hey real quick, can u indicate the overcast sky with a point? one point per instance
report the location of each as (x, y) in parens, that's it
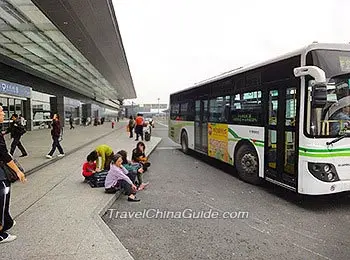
(172, 44)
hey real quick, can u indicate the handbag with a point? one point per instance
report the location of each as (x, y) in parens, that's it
(10, 174)
(60, 138)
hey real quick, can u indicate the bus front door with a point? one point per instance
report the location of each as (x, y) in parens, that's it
(201, 125)
(280, 137)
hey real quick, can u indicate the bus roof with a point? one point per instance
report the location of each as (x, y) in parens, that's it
(313, 46)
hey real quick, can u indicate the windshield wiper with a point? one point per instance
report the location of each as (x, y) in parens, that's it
(338, 138)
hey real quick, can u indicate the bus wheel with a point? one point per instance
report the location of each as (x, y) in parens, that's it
(184, 142)
(247, 164)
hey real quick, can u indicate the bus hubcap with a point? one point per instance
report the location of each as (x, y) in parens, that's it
(249, 163)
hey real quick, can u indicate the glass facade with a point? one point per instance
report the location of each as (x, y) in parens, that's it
(41, 110)
(72, 108)
(11, 105)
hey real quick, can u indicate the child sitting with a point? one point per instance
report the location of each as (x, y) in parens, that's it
(133, 169)
(138, 156)
(117, 175)
(89, 168)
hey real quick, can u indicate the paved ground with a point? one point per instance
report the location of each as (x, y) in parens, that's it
(58, 216)
(280, 224)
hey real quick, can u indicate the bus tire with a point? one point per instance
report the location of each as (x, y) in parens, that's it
(247, 164)
(184, 142)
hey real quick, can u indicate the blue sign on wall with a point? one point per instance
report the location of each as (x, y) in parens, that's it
(10, 88)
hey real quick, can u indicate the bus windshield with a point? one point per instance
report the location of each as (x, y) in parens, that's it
(334, 118)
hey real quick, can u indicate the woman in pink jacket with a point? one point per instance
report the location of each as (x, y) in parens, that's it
(117, 176)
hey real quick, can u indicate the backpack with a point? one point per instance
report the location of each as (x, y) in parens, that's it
(98, 179)
(21, 130)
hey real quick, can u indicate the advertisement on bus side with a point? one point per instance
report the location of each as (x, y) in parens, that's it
(218, 142)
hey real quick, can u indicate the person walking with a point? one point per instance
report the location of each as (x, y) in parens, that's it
(131, 126)
(6, 221)
(55, 133)
(139, 127)
(22, 120)
(16, 129)
(71, 122)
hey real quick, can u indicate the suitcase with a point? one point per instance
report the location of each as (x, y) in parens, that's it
(98, 180)
(147, 136)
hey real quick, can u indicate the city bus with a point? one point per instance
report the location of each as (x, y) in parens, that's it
(286, 120)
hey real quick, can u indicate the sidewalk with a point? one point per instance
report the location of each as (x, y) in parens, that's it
(58, 216)
(38, 142)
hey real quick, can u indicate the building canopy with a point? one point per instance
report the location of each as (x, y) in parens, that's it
(73, 43)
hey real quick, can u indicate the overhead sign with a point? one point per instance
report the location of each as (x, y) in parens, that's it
(15, 89)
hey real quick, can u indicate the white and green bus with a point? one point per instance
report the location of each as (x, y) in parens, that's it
(286, 120)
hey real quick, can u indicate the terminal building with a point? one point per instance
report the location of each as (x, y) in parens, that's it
(64, 57)
(148, 110)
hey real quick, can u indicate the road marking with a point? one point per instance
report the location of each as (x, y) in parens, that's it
(168, 148)
(212, 207)
(261, 231)
(301, 233)
(313, 252)
(162, 124)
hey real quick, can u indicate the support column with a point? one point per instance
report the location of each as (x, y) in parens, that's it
(57, 107)
(28, 113)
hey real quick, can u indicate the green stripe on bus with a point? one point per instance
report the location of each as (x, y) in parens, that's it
(233, 133)
(181, 124)
(308, 150)
(324, 155)
(237, 138)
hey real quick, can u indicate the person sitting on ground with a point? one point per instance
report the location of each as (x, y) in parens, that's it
(103, 154)
(138, 156)
(117, 176)
(89, 168)
(134, 169)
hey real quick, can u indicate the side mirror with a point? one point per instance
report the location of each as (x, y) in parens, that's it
(319, 95)
(318, 74)
(319, 86)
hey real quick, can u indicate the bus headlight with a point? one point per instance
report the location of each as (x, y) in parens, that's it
(323, 171)
(326, 168)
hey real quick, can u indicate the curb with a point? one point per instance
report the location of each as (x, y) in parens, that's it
(111, 237)
(43, 165)
(117, 195)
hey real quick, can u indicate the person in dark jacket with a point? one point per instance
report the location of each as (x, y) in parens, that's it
(131, 126)
(55, 133)
(16, 129)
(6, 221)
(71, 121)
(138, 156)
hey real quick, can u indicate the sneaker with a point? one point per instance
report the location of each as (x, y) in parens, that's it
(14, 224)
(48, 156)
(61, 155)
(23, 155)
(8, 239)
